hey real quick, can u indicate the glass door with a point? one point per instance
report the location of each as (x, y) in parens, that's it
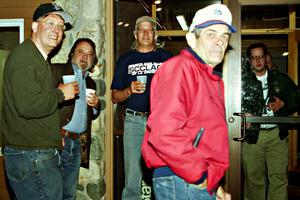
(171, 36)
(274, 30)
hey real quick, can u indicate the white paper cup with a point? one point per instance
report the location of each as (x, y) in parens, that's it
(89, 92)
(69, 78)
(142, 79)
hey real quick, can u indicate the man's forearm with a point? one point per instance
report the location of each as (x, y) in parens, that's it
(120, 95)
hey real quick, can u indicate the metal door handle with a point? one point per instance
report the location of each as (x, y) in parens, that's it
(243, 133)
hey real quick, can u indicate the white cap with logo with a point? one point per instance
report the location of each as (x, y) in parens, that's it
(212, 14)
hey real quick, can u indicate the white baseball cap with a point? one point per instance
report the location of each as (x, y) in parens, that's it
(212, 14)
(143, 19)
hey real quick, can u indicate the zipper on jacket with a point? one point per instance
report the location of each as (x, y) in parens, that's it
(219, 89)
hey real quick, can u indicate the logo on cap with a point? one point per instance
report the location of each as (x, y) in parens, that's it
(56, 7)
(218, 12)
(212, 14)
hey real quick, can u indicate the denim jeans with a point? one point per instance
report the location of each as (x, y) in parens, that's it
(34, 174)
(134, 129)
(175, 188)
(70, 164)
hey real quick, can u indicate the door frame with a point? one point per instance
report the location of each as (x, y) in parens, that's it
(232, 82)
(293, 40)
(233, 85)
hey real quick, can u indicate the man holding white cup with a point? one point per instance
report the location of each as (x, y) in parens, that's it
(77, 115)
(30, 117)
(131, 84)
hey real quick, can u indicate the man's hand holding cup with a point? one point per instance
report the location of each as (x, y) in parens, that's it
(139, 86)
(70, 87)
(91, 98)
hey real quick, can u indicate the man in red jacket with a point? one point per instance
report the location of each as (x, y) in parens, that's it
(186, 140)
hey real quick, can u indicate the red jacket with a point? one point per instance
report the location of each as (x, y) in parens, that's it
(185, 96)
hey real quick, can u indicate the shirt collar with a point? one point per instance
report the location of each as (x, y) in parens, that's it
(214, 71)
(78, 70)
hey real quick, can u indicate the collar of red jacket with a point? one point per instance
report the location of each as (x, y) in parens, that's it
(214, 74)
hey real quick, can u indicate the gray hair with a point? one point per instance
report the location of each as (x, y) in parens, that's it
(197, 32)
(137, 25)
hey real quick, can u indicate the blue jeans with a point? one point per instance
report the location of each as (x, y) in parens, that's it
(34, 174)
(175, 188)
(134, 129)
(70, 164)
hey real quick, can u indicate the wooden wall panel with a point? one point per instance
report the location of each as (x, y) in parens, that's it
(17, 12)
(11, 9)
(267, 2)
(4, 191)
(21, 3)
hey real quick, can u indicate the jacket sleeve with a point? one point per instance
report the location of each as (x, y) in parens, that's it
(289, 93)
(34, 93)
(57, 71)
(91, 84)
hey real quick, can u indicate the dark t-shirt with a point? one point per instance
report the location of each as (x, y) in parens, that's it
(134, 63)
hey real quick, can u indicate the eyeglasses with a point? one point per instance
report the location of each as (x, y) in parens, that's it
(82, 52)
(51, 24)
(257, 57)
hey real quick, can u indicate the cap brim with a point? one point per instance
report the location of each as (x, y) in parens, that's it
(66, 16)
(209, 23)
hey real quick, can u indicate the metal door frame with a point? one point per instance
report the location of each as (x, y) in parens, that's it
(232, 81)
